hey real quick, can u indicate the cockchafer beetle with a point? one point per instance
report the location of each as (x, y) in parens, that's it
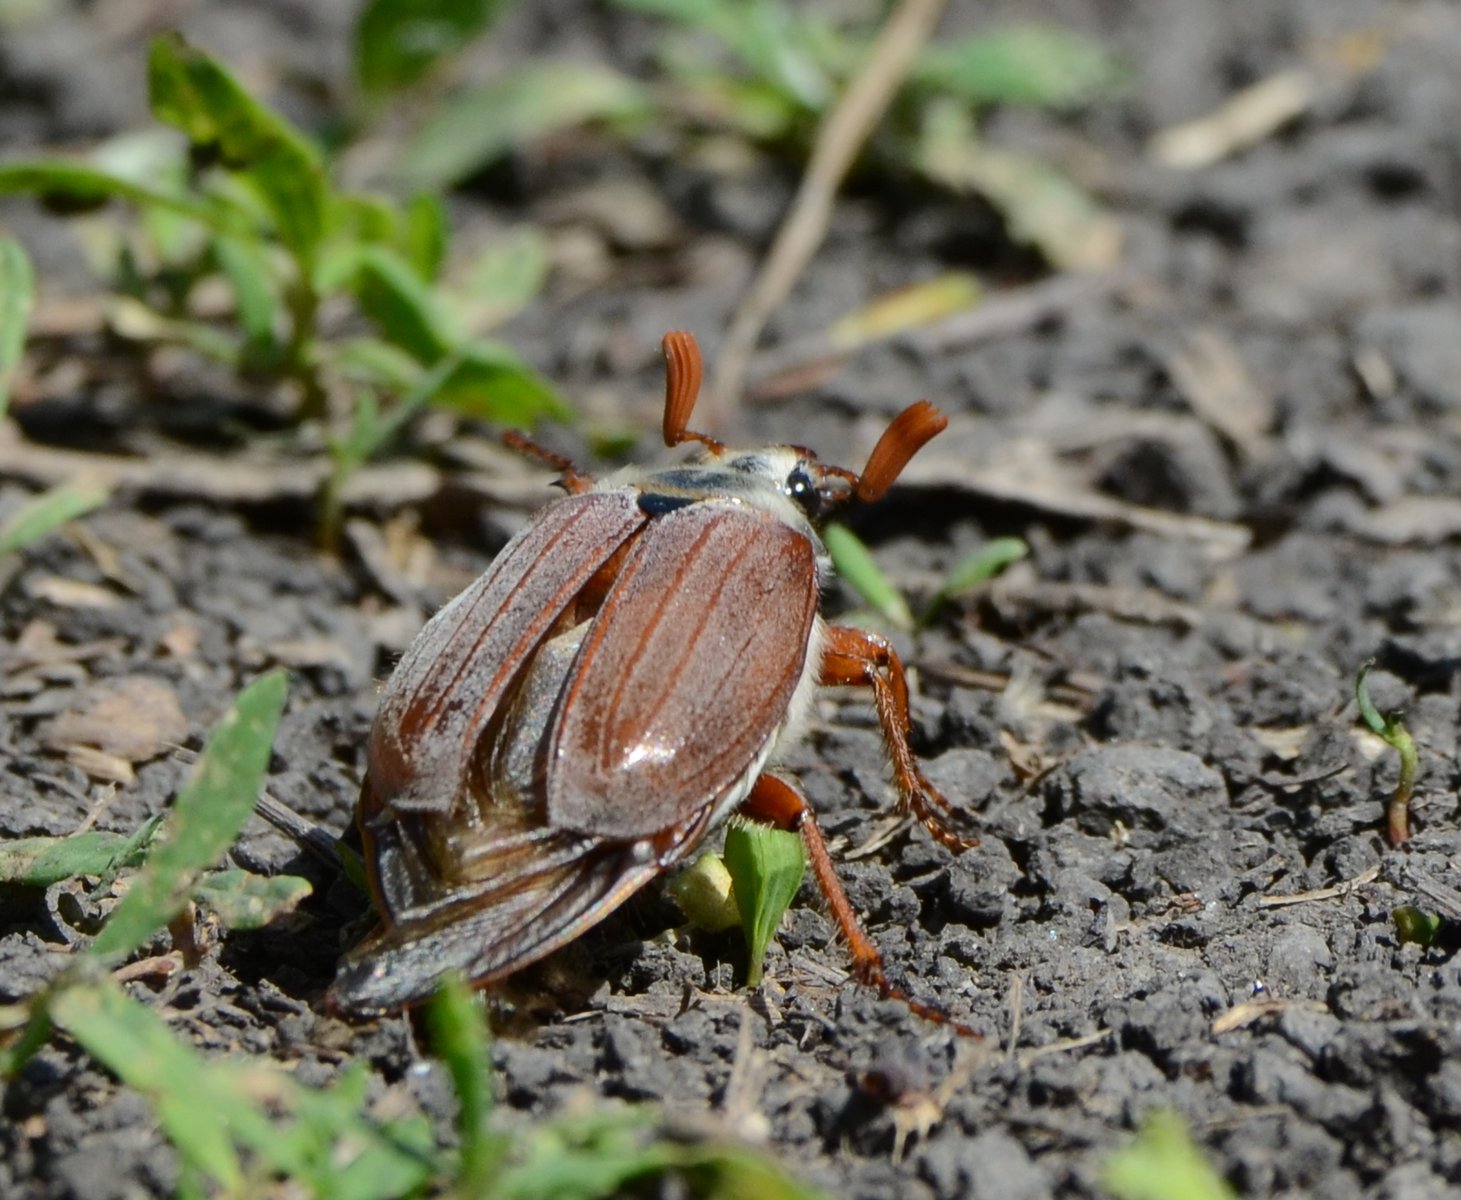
(619, 681)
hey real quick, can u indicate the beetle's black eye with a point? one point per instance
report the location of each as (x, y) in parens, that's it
(802, 488)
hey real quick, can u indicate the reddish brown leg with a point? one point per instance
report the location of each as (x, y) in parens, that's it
(861, 659)
(573, 480)
(776, 802)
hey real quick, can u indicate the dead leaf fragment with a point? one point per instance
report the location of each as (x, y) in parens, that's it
(1245, 119)
(71, 593)
(133, 718)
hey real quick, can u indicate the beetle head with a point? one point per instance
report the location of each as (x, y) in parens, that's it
(816, 488)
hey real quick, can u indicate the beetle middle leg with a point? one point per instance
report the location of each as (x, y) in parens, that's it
(854, 657)
(777, 803)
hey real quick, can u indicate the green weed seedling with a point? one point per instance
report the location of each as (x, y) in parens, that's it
(176, 853)
(766, 868)
(1161, 1163)
(751, 884)
(46, 513)
(765, 71)
(856, 565)
(1393, 732)
(244, 199)
(17, 295)
(242, 1126)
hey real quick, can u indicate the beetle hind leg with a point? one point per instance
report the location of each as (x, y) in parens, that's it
(854, 657)
(777, 803)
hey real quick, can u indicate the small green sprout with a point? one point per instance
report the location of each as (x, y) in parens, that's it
(46, 512)
(856, 565)
(1397, 737)
(1161, 1163)
(1414, 925)
(17, 294)
(706, 894)
(767, 866)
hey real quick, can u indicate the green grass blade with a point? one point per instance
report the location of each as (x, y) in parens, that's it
(767, 866)
(17, 295)
(860, 571)
(980, 567)
(459, 1038)
(46, 512)
(136, 1045)
(208, 813)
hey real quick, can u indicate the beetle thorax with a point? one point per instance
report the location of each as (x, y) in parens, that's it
(780, 480)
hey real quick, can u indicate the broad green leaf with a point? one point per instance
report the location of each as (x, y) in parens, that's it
(375, 361)
(423, 234)
(1040, 206)
(478, 127)
(244, 900)
(767, 866)
(356, 218)
(255, 292)
(458, 1024)
(193, 92)
(205, 819)
(48, 511)
(505, 279)
(17, 295)
(1161, 1163)
(42, 861)
(402, 304)
(493, 384)
(82, 186)
(1025, 64)
(136, 1045)
(859, 570)
(398, 41)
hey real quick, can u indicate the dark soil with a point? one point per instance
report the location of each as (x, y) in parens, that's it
(1150, 721)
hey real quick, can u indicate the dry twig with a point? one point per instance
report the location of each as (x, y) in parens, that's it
(840, 137)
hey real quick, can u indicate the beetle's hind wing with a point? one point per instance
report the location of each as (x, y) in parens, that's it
(456, 674)
(686, 675)
(542, 890)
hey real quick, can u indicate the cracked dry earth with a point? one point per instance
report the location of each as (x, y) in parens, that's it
(1236, 462)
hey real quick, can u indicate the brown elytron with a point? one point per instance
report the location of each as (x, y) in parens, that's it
(615, 685)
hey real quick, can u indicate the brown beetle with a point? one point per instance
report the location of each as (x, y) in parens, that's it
(619, 682)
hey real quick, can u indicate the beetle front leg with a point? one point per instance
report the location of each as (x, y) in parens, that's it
(854, 657)
(777, 803)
